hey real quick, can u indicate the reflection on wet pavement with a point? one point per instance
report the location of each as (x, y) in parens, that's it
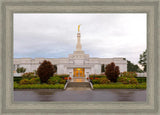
(80, 94)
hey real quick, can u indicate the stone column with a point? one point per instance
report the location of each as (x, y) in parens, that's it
(78, 46)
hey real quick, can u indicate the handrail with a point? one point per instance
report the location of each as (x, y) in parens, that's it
(66, 84)
(91, 85)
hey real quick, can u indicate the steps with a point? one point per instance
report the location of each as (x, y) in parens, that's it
(78, 84)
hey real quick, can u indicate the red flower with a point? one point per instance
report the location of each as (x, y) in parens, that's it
(66, 78)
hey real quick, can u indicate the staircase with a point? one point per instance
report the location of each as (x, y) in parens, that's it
(78, 84)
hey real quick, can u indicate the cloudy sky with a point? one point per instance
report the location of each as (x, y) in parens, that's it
(102, 35)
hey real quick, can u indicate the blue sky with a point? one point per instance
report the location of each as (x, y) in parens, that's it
(102, 35)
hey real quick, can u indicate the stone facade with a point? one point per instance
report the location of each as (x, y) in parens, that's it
(78, 59)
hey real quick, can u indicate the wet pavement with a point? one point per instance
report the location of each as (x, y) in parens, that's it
(80, 94)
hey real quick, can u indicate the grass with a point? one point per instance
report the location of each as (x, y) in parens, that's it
(38, 86)
(119, 86)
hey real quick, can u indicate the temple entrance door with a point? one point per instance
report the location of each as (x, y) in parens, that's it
(79, 72)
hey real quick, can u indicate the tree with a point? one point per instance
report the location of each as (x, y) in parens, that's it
(132, 67)
(112, 72)
(102, 68)
(45, 71)
(21, 70)
(143, 60)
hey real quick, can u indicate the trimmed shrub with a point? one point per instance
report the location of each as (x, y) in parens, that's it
(95, 81)
(62, 81)
(35, 81)
(24, 81)
(133, 81)
(54, 80)
(112, 72)
(119, 86)
(39, 86)
(21, 70)
(45, 71)
(96, 76)
(141, 79)
(28, 75)
(104, 81)
(126, 80)
(63, 76)
(128, 74)
(17, 79)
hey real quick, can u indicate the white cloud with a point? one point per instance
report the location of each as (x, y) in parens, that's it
(102, 35)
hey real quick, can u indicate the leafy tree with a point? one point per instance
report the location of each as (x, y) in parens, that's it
(132, 67)
(21, 70)
(45, 71)
(143, 60)
(102, 68)
(112, 72)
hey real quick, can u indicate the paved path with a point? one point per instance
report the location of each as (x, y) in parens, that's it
(80, 94)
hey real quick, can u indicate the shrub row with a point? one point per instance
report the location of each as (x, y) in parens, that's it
(56, 80)
(128, 74)
(30, 81)
(17, 79)
(119, 86)
(100, 81)
(62, 76)
(126, 80)
(96, 76)
(141, 79)
(29, 75)
(38, 86)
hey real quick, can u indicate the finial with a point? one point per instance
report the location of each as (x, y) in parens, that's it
(79, 27)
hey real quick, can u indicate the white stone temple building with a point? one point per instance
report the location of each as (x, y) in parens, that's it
(77, 64)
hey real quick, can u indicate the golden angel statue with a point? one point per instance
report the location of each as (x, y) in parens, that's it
(79, 27)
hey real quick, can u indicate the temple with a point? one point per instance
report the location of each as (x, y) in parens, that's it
(77, 64)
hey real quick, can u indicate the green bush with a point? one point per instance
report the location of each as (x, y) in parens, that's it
(119, 86)
(24, 81)
(126, 80)
(39, 86)
(62, 76)
(17, 79)
(141, 79)
(28, 75)
(104, 81)
(133, 81)
(21, 70)
(54, 80)
(95, 81)
(35, 81)
(128, 74)
(96, 76)
(62, 81)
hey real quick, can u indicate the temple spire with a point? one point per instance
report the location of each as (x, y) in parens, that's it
(78, 46)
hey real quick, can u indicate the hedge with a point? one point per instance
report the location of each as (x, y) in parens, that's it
(61, 76)
(119, 86)
(17, 79)
(97, 76)
(141, 79)
(38, 86)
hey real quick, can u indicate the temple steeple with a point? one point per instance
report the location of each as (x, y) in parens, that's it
(78, 46)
